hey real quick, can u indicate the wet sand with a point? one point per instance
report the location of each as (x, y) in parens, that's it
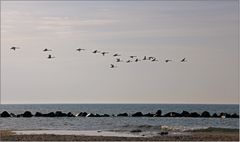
(191, 136)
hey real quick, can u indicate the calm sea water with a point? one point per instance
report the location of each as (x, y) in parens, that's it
(115, 123)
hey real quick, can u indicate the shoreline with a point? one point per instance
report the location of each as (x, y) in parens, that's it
(210, 134)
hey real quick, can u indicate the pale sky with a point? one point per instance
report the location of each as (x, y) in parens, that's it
(203, 32)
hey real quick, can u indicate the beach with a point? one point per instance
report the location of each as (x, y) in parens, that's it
(210, 134)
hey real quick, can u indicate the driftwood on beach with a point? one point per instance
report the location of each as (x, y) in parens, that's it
(204, 114)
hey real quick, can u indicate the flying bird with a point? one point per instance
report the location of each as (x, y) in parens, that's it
(115, 55)
(119, 60)
(128, 61)
(150, 58)
(103, 53)
(137, 60)
(145, 58)
(14, 48)
(184, 60)
(96, 51)
(154, 59)
(50, 56)
(113, 66)
(168, 60)
(80, 49)
(47, 50)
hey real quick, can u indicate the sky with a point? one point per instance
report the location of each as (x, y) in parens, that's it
(203, 32)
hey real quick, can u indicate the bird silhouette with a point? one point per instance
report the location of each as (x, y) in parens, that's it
(128, 61)
(103, 53)
(47, 50)
(168, 60)
(184, 60)
(80, 49)
(133, 56)
(154, 60)
(150, 58)
(119, 60)
(115, 55)
(50, 56)
(112, 66)
(14, 48)
(96, 51)
(137, 60)
(145, 58)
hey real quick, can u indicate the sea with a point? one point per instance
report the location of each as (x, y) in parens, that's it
(116, 123)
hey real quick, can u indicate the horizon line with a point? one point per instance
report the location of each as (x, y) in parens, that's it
(141, 103)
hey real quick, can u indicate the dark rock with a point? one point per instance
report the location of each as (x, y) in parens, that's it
(226, 115)
(60, 114)
(234, 115)
(205, 114)
(222, 114)
(51, 114)
(137, 114)
(82, 114)
(13, 115)
(97, 115)
(27, 114)
(5, 114)
(90, 115)
(163, 133)
(136, 131)
(148, 115)
(214, 115)
(172, 114)
(123, 114)
(158, 113)
(105, 115)
(185, 114)
(194, 114)
(38, 114)
(70, 114)
(19, 115)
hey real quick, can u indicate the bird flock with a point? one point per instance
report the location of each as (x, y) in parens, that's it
(116, 56)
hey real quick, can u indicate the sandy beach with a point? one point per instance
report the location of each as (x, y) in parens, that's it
(196, 135)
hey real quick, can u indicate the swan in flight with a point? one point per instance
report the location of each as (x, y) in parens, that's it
(80, 49)
(137, 60)
(128, 61)
(96, 51)
(184, 60)
(115, 55)
(47, 50)
(50, 56)
(113, 66)
(103, 53)
(119, 60)
(14, 48)
(145, 58)
(154, 59)
(168, 60)
(133, 56)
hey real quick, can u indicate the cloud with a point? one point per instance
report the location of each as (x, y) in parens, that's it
(56, 22)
